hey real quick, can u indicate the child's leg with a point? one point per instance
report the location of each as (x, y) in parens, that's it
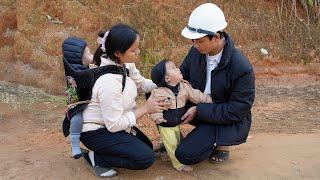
(75, 130)
(171, 137)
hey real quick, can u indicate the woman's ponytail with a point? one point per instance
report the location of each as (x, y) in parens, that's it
(99, 52)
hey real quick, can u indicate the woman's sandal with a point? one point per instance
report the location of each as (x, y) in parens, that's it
(219, 156)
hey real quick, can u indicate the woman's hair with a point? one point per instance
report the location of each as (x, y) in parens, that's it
(119, 39)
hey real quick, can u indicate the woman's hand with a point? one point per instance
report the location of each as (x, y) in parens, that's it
(189, 115)
(153, 105)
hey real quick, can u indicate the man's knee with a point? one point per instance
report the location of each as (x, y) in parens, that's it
(184, 156)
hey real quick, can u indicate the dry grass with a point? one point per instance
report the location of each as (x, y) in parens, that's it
(252, 24)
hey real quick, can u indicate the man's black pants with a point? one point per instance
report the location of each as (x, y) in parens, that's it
(198, 145)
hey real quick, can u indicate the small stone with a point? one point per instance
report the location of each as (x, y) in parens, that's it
(264, 51)
(27, 150)
(49, 17)
(159, 178)
(294, 162)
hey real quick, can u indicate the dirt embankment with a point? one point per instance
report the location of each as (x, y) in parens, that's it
(31, 33)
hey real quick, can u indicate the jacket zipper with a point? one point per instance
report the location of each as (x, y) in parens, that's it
(213, 73)
(176, 99)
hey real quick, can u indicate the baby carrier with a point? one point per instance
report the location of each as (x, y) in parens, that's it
(80, 82)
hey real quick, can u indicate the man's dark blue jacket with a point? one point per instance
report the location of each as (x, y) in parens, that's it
(232, 91)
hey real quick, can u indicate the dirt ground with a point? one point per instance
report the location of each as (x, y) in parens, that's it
(284, 141)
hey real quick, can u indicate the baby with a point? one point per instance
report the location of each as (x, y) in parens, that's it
(78, 55)
(171, 85)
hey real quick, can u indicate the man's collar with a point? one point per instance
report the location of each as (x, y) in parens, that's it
(216, 58)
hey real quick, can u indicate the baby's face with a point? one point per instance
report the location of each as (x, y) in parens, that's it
(87, 57)
(173, 74)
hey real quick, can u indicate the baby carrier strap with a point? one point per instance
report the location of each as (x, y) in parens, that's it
(82, 82)
(114, 69)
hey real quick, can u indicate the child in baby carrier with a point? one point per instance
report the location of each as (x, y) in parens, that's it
(171, 85)
(81, 75)
(78, 57)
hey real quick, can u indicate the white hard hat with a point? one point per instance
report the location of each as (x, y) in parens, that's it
(206, 19)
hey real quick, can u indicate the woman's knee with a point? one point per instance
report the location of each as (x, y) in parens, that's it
(145, 160)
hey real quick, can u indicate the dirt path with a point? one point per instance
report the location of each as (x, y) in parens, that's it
(264, 156)
(284, 141)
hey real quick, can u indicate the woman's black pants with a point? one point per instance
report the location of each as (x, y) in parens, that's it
(119, 149)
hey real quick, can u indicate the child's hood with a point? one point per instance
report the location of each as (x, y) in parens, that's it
(72, 50)
(158, 73)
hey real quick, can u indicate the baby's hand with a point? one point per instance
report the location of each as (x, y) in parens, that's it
(160, 120)
(167, 103)
(91, 66)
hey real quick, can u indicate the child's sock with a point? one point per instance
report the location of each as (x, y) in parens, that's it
(75, 145)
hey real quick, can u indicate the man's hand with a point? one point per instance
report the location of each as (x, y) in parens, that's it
(189, 115)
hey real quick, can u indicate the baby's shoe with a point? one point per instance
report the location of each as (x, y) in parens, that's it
(76, 152)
